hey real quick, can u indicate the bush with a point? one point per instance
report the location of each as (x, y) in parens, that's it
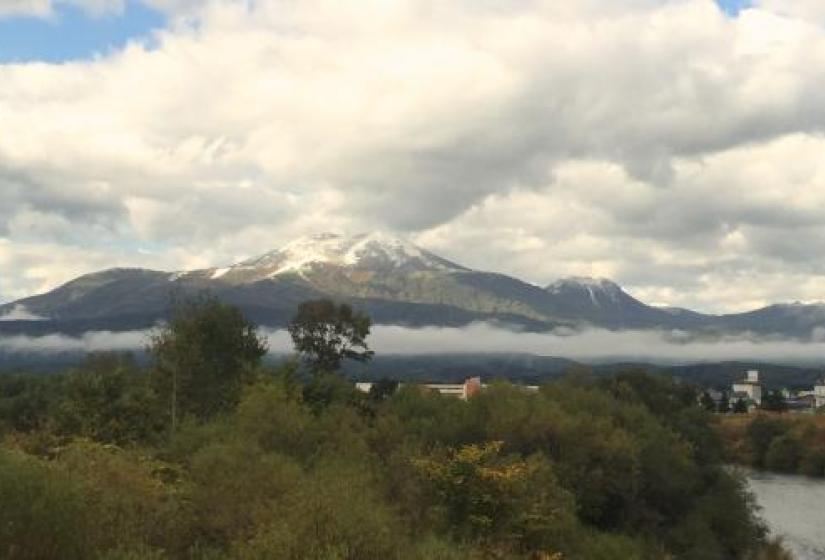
(784, 454)
(760, 435)
(335, 512)
(813, 463)
(42, 513)
(234, 487)
(126, 498)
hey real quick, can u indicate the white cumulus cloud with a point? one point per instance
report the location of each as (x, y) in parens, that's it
(662, 143)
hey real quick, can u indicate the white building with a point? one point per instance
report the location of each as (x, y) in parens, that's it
(463, 391)
(364, 386)
(819, 394)
(751, 387)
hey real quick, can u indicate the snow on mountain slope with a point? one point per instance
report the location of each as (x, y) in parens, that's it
(373, 251)
(599, 291)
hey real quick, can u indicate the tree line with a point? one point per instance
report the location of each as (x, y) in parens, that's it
(784, 443)
(210, 454)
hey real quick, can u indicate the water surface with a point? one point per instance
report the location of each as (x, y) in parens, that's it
(794, 508)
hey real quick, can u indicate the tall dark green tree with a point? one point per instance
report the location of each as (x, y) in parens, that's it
(109, 400)
(740, 406)
(383, 389)
(202, 356)
(325, 333)
(724, 404)
(774, 401)
(707, 402)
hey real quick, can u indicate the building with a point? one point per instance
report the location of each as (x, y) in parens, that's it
(819, 394)
(364, 386)
(800, 403)
(749, 388)
(470, 387)
(463, 391)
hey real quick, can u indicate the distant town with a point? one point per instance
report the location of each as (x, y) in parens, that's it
(745, 395)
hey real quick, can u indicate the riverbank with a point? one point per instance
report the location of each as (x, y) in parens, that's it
(775, 442)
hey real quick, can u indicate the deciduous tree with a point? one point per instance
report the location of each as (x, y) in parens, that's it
(202, 355)
(326, 333)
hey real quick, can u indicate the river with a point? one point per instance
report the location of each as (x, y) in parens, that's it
(794, 508)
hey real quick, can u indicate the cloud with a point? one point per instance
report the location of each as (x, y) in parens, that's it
(588, 346)
(20, 313)
(807, 9)
(662, 143)
(38, 8)
(97, 341)
(591, 346)
(732, 231)
(46, 8)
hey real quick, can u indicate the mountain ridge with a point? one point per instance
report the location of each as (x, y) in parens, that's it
(396, 282)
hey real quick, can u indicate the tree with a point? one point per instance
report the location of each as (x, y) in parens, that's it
(43, 513)
(784, 453)
(724, 404)
(325, 334)
(383, 389)
(486, 497)
(202, 356)
(760, 435)
(774, 401)
(707, 402)
(108, 400)
(740, 406)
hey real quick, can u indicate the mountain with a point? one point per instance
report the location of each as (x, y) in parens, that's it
(602, 302)
(374, 253)
(393, 280)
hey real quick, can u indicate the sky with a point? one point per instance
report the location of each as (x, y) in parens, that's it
(674, 146)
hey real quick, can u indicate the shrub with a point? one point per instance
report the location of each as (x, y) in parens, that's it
(334, 513)
(784, 454)
(42, 512)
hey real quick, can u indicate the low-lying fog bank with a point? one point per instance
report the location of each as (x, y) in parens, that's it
(594, 346)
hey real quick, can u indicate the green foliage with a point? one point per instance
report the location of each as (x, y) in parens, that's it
(326, 389)
(788, 443)
(724, 404)
(383, 389)
(263, 466)
(499, 501)
(42, 513)
(335, 512)
(774, 401)
(740, 406)
(813, 463)
(127, 497)
(707, 402)
(326, 333)
(760, 435)
(784, 454)
(26, 401)
(273, 417)
(202, 357)
(108, 405)
(227, 505)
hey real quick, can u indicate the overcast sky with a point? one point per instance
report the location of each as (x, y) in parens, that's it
(675, 146)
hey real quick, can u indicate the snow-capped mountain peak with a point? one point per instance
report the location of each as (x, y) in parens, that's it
(377, 251)
(598, 290)
(584, 282)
